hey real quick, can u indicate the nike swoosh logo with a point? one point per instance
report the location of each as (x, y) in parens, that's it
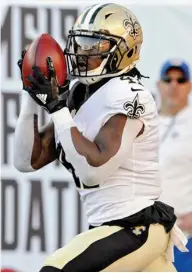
(135, 89)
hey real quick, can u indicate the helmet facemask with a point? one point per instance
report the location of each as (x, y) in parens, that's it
(94, 55)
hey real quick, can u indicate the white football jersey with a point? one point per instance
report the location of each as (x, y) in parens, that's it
(176, 160)
(135, 185)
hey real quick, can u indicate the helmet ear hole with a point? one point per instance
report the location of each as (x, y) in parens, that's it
(130, 53)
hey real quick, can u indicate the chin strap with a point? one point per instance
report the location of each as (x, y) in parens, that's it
(89, 80)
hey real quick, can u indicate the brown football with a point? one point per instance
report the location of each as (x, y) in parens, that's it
(42, 47)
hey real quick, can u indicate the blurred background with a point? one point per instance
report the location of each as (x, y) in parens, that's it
(41, 212)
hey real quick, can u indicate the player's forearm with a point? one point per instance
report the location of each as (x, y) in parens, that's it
(26, 140)
(37, 146)
(63, 123)
(93, 154)
(83, 146)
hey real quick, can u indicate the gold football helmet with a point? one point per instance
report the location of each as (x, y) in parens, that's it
(109, 32)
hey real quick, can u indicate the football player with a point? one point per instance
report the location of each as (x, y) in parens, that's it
(110, 146)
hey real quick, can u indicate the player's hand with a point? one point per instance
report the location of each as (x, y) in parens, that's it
(20, 64)
(185, 222)
(46, 91)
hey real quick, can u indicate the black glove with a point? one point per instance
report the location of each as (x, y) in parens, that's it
(20, 64)
(46, 91)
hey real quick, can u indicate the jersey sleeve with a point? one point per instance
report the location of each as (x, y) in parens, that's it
(130, 99)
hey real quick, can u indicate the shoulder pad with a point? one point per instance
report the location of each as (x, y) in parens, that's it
(129, 98)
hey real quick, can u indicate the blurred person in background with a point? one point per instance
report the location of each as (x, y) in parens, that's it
(176, 149)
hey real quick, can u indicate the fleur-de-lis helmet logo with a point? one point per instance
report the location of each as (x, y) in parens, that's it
(132, 27)
(134, 109)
